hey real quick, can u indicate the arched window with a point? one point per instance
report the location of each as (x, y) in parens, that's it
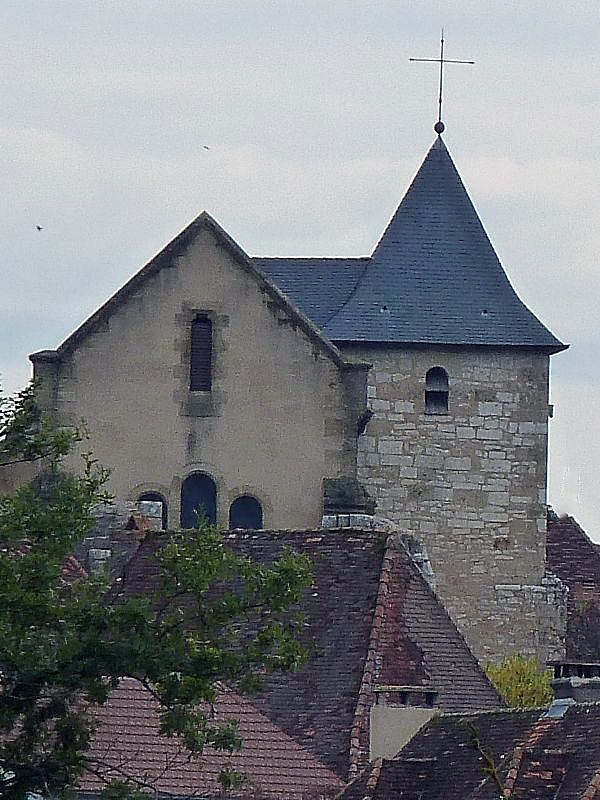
(198, 500)
(201, 354)
(246, 512)
(436, 391)
(155, 497)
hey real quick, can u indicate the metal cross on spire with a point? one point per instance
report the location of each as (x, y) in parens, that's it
(439, 125)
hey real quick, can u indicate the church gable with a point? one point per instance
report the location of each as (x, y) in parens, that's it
(168, 258)
(200, 366)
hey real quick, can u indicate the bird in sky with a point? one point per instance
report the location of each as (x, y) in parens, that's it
(206, 147)
(39, 227)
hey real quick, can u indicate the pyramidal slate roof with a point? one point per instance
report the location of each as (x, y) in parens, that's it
(433, 278)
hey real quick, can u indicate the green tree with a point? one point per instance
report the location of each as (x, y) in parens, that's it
(218, 617)
(522, 682)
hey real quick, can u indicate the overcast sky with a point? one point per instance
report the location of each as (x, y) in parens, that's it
(316, 122)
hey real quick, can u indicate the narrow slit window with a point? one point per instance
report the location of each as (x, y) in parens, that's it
(201, 355)
(436, 391)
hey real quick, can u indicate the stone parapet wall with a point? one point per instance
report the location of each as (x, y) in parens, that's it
(469, 484)
(115, 536)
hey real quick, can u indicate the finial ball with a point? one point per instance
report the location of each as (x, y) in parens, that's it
(439, 127)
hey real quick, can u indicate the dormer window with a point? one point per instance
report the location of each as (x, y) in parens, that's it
(436, 391)
(201, 354)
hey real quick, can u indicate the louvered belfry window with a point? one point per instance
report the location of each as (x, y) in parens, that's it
(436, 391)
(201, 355)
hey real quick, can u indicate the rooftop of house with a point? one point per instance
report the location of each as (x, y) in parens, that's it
(433, 278)
(371, 619)
(531, 754)
(575, 559)
(127, 743)
(572, 555)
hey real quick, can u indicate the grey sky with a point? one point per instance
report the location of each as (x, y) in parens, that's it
(316, 122)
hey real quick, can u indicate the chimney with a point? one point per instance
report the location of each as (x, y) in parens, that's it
(398, 713)
(576, 681)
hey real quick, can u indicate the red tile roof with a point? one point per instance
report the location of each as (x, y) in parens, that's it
(128, 745)
(73, 570)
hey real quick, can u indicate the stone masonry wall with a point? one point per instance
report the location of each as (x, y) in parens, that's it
(469, 484)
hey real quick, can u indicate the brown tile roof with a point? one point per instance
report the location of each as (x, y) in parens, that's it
(414, 643)
(571, 554)
(314, 705)
(416, 616)
(575, 559)
(127, 745)
(371, 619)
(441, 762)
(535, 757)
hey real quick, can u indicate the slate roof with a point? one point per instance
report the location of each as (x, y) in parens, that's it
(433, 277)
(127, 743)
(371, 618)
(535, 757)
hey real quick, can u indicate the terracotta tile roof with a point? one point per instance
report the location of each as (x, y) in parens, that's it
(371, 618)
(414, 643)
(314, 705)
(127, 744)
(535, 757)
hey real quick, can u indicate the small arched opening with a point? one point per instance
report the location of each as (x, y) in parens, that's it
(436, 391)
(198, 500)
(156, 497)
(246, 512)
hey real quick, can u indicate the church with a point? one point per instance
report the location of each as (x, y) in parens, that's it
(406, 391)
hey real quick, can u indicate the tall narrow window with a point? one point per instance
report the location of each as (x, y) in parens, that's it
(198, 500)
(201, 355)
(246, 512)
(436, 391)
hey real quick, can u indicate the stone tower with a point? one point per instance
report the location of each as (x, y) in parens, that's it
(455, 453)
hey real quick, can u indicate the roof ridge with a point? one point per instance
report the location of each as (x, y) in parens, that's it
(442, 607)
(365, 692)
(311, 258)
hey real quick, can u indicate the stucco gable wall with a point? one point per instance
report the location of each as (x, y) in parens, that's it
(274, 424)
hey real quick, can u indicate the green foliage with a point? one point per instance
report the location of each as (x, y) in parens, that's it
(522, 682)
(218, 617)
(26, 436)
